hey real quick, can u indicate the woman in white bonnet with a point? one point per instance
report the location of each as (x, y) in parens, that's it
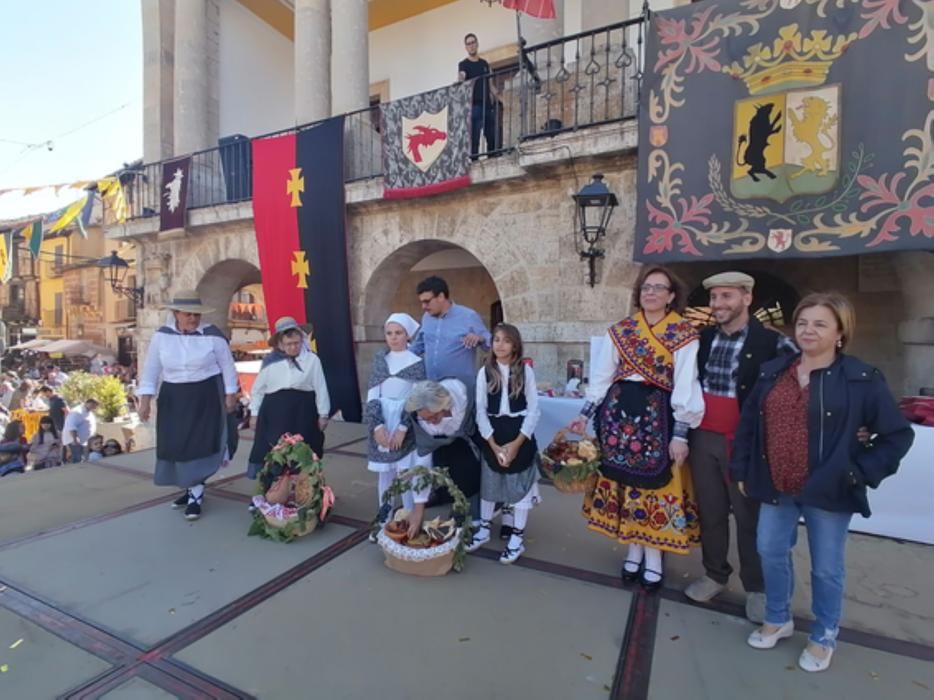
(392, 376)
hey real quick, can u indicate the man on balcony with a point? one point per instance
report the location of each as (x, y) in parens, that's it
(485, 98)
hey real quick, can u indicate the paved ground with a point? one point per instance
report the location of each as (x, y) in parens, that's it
(107, 593)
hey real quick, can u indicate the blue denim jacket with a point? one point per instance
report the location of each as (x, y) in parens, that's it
(842, 398)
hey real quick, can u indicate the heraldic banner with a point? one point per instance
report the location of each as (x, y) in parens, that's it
(426, 142)
(786, 128)
(298, 212)
(174, 191)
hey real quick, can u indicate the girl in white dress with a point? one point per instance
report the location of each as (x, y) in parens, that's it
(395, 371)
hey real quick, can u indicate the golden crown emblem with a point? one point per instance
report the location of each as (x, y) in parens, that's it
(792, 61)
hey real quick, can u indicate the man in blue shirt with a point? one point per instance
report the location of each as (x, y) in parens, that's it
(450, 334)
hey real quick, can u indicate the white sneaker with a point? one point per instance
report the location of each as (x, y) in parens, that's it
(703, 590)
(480, 537)
(760, 640)
(812, 663)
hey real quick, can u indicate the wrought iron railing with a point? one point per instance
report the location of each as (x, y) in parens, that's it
(570, 83)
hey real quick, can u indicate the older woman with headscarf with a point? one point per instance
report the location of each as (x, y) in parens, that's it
(290, 394)
(198, 388)
(445, 429)
(395, 371)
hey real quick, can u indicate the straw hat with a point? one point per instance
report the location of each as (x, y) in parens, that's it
(188, 300)
(283, 324)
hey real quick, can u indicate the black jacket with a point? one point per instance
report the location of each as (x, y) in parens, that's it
(843, 397)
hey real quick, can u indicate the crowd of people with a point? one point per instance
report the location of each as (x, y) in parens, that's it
(692, 426)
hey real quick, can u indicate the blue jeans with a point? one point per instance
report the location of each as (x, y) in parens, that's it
(776, 538)
(76, 452)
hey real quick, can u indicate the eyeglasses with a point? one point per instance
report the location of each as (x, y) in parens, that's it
(658, 288)
(426, 302)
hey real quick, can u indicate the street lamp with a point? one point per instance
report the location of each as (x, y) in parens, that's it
(595, 204)
(116, 269)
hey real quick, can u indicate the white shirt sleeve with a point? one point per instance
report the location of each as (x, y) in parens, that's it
(322, 398)
(602, 373)
(226, 363)
(687, 397)
(152, 368)
(483, 418)
(531, 399)
(258, 391)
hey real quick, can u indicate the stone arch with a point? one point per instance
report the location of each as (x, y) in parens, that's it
(220, 282)
(382, 290)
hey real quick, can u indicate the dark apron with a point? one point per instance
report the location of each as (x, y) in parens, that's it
(462, 465)
(286, 411)
(506, 429)
(190, 420)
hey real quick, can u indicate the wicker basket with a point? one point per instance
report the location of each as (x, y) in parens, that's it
(431, 561)
(565, 478)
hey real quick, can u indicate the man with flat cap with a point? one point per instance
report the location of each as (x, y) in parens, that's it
(728, 363)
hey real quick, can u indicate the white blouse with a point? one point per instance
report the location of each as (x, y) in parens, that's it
(393, 389)
(285, 375)
(531, 411)
(180, 359)
(687, 397)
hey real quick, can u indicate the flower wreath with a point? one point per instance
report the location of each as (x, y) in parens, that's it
(291, 496)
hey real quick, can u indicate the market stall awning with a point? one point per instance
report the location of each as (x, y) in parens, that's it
(70, 348)
(33, 344)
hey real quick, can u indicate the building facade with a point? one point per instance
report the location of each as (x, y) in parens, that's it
(508, 244)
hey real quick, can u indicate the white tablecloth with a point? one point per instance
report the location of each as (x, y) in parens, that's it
(556, 413)
(900, 506)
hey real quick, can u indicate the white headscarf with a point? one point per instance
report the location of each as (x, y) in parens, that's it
(407, 322)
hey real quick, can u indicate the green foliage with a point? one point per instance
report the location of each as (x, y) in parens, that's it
(107, 391)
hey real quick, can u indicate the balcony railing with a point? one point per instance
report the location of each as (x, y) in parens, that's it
(567, 84)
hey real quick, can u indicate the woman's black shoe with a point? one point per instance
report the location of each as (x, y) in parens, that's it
(651, 586)
(630, 576)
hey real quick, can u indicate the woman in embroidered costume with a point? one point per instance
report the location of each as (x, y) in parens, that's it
(507, 413)
(290, 395)
(644, 396)
(391, 447)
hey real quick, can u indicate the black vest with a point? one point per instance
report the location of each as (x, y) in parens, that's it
(761, 346)
(517, 404)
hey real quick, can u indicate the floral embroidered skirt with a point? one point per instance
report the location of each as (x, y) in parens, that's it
(639, 497)
(664, 518)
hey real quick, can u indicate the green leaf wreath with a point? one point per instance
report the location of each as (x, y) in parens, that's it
(418, 479)
(290, 458)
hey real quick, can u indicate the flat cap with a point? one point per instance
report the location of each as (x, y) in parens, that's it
(730, 279)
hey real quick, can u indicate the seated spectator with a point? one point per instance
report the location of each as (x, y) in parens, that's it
(45, 450)
(111, 448)
(13, 449)
(96, 448)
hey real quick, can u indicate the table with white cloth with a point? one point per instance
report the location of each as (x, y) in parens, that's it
(899, 506)
(556, 413)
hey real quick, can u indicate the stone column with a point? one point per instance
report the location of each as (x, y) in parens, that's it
(350, 56)
(916, 332)
(194, 127)
(312, 59)
(158, 18)
(350, 83)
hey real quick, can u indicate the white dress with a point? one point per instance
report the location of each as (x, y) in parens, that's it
(392, 393)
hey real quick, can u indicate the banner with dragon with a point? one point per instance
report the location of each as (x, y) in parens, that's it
(787, 128)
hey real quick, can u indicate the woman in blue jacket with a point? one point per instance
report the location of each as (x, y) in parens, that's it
(797, 452)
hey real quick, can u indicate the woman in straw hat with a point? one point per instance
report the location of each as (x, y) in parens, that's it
(199, 387)
(290, 394)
